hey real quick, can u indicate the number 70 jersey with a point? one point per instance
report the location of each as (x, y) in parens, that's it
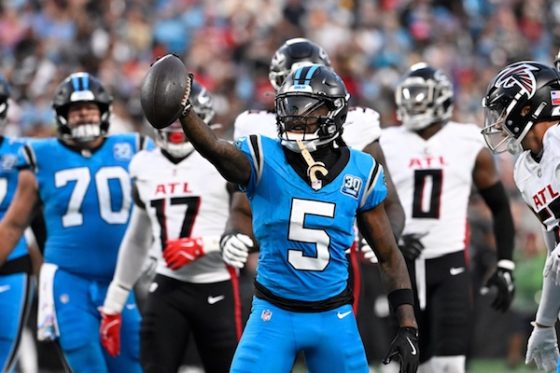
(433, 179)
(86, 201)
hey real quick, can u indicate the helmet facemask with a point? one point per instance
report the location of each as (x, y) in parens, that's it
(79, 88)
(309, 119)
(174, 141)
(424, 97)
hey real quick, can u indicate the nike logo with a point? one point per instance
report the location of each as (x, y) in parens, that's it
(412, 346)
(212, 300)
(454, 271)
(343, 314)
(130, 306)
(153, 287)
(4, 288)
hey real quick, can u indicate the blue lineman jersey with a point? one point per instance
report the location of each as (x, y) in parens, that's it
(303, 234)
(86, 200)
(9, 165)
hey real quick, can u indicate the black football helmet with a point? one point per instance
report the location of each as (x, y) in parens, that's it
(522, 94)
(4, 98)
(172, 138)
(81, 87)
(304, 91)
(292, 54)
(424, 96)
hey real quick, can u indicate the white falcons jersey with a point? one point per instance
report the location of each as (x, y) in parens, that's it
(188, 199)
(433, 179)
(360, 129)
(539, 183)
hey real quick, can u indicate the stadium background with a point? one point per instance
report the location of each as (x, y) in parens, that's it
(228, 45)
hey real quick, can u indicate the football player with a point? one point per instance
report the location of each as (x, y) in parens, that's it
(361, 131)
(81, 180)
(522, 112)
(181, 207)
(307, 188)
(15, 272)
(435, 162)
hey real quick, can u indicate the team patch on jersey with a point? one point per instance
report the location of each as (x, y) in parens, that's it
(8, 162)
(122, 151)
(351, 185)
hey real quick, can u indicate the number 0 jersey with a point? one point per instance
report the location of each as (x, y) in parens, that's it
(86, 200)
(187, 199)
(304, 233)
(360, 129)
(539, 182)
(9, 164)
(433, 179)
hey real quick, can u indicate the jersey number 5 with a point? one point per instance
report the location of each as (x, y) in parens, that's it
(298, 232)
(81, 178)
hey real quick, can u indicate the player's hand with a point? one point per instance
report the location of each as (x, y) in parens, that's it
(110, 332)
(552, 265)
(502, 280)
(411, 246)
(367, 251)
(183, 251)
(404, 348)
(543, 348)
(235, 249)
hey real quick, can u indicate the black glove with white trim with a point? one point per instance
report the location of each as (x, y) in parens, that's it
(404, 347)
(502, 280)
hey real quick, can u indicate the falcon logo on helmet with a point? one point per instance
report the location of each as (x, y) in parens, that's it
(522, 76)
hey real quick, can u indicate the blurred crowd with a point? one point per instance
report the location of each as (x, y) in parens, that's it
(228, 44)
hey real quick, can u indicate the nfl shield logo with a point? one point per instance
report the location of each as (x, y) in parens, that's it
(266, 315)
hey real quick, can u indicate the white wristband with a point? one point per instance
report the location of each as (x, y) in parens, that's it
(115, 299)
(211, 243)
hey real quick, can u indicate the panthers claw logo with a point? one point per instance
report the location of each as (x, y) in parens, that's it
(520, 75)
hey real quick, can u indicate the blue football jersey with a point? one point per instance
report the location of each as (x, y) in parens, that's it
(303, 233)
(9, 164)
(86, 200)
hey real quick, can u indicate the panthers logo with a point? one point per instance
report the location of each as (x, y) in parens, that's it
(520, 75)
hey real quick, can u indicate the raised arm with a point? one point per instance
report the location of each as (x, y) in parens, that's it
(19, 214)
(230, 162)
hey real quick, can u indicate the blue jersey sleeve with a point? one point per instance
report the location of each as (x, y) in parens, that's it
(376, 192)
(247, 146)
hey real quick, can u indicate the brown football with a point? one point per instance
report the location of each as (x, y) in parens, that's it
(162, 91)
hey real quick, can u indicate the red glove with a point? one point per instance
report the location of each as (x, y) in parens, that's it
(182, 251)
(110, 332)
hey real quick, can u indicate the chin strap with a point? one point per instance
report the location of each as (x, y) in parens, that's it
(313, 166)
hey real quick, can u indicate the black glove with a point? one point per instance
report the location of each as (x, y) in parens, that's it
(502, 280)
(404, 347)
(410, 245)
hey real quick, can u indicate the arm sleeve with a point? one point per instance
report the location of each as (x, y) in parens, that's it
(549, 306)
(132, 255)
(496, 199)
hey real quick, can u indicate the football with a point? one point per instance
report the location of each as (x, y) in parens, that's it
(163, 90)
